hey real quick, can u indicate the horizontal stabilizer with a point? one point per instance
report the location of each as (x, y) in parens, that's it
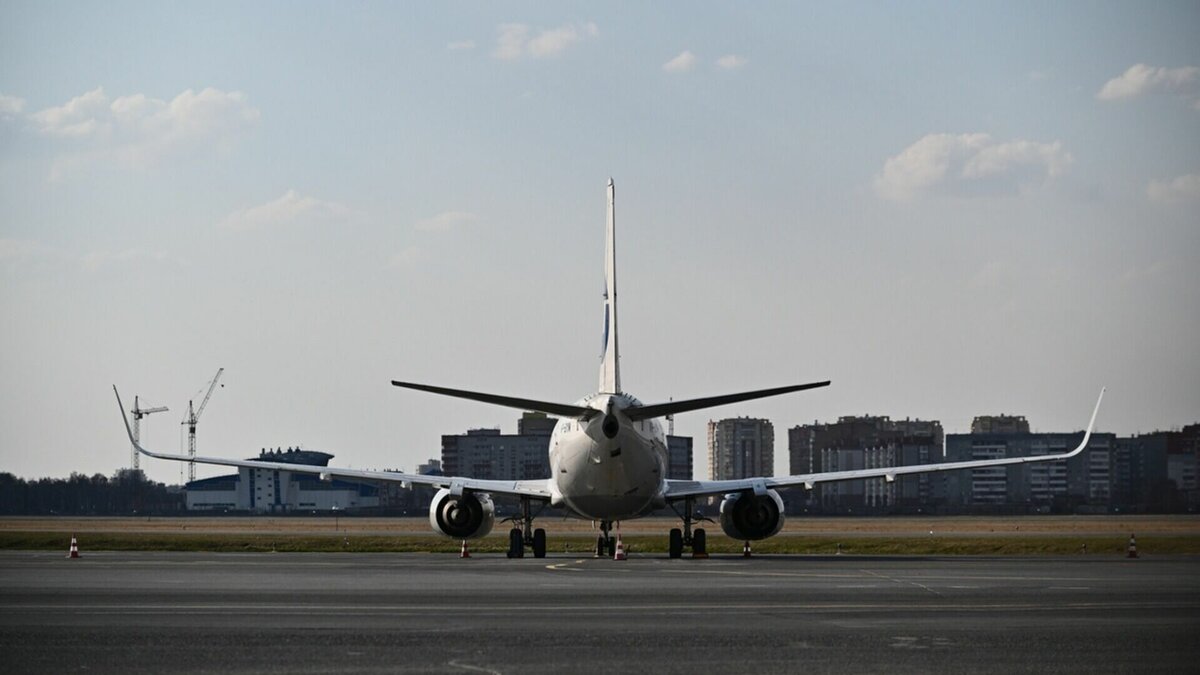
(673, 407)
(557, 409)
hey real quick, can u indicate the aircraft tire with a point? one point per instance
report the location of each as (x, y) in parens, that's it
(516, 543)
(675, 546)
(539, 543)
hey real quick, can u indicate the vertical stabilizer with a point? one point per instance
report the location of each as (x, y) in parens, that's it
(610, 367)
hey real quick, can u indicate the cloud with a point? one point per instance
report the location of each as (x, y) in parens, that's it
(1143, 79)
(682, 63)
(11, 106)
(446, 221)
(84, 115)
(290, 209)
(731, 62)
(138, 129)
(1185, 188)
(515, 40)
(460, 45)
(967, 164)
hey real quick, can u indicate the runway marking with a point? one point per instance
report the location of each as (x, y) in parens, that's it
(556, 567)
(476, 669)
(902, 581)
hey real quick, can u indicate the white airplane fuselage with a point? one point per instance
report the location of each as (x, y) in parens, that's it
(608, 474)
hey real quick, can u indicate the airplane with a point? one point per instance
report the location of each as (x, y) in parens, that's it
(608, 459)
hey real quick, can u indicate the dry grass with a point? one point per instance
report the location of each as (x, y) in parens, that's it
(1049, 535)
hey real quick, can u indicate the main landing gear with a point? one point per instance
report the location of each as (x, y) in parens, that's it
(525, 535)
(697, 540)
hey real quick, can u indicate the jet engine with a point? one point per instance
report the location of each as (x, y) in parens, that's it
(747, 516)
(469, 516)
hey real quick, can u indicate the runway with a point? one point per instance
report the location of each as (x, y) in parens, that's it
(425, 613)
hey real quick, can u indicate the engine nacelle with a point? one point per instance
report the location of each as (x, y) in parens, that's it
(749, 517)
(470, 516)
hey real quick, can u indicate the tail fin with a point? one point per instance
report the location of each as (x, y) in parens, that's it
(610, 366)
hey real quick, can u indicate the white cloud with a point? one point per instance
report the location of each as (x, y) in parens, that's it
(11, 106)
(1184, 188)
(515, 40)
(682, 63)
(84, 115)
(460, 45)
(292, 208)
(731, 62)
(446, 221)
(1143, 79)
(139, 129)
(969, 164)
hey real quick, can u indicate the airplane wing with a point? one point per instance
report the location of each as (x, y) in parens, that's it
(535, 489)
(679, 489)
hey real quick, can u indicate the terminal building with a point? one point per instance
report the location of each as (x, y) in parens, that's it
(269, 491)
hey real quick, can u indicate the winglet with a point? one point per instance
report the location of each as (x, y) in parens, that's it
(125, 418)
(1087, 435)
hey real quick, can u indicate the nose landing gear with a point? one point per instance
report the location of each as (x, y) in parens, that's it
(605, 545)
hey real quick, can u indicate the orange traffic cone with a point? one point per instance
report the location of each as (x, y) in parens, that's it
(74, 552)
(464, 553)
(746, 550)
(619, 554)
(1132, 547)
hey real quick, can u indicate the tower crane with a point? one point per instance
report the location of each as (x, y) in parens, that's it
(193, 416)
(138, 413)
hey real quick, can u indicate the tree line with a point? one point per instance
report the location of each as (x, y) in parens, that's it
(126, 493)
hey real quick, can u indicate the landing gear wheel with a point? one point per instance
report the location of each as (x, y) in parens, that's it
(539, 543)
(600, 544)
(516, 543)
(675, 547)
(699, 543)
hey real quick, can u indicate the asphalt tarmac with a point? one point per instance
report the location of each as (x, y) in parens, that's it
(427, 613)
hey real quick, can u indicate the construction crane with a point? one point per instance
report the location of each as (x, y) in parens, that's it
(138, 413)
(193, 416)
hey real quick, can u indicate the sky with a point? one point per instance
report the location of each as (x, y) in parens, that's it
(947, 209)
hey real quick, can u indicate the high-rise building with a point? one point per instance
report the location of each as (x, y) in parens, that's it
(740, 447)
(489, 454)
(679, 457)
(1000, 424)
(863, 443)
(1084, 482)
